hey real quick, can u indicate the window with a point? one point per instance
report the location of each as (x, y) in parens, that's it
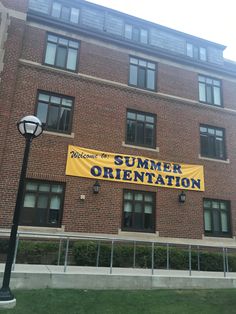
(209, 90)
(55, 112)
(65, 13)
(217, 218)
(61, 52)
(212, 142)
(139, 208)
(136, 34)
(196, 52)
(140, 128)
(142, 74)
(42, 204)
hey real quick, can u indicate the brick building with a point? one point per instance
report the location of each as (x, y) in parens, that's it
(109, 82)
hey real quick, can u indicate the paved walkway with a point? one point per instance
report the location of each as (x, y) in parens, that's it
(26, 276)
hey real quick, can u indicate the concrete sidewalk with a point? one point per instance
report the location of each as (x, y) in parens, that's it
(27, 276)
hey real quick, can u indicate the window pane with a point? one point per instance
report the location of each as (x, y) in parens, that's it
(128, 31)
(71, 59)
(135, 35)
(207, 220)
(223, 205)
(202, 92)
(138, 208)
(224, 222)
(150, 119)
(29, 200)
(44, 97)
(53, 216)
(131, 131)
(217, 97)
(209, 94)
(207, 204)
(52, 38)
(216, 221)
(44, 187)
(65, 13)
(63, 41)
(67, 102)
(150, 79)
(64, 120)
(144, 36)
(203, 54)
(61, 57)
(128, 219)
(148, 209)
(42, 201)
(56, 188)
(50, 53)
(42, 112)
(138, 196)
(56, 9)
(149, 134)
(219, 148)
(53, 117)
(140, 117)
(133, 75)
(127, 207)
(140, 133)
(128, 196)
(148, 221)
(148, 198)
(73, 44)
(215, 205)
(131, 115)
(138, 220)
(55, 100)
(31, 186)
(141, 77)
(189, 50)
(55, 202)
(74, 17)
(143, 63)
(133, 60)
(204, 145)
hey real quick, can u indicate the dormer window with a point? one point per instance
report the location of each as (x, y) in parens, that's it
(196, 52)
(65, 13)
(136, 34)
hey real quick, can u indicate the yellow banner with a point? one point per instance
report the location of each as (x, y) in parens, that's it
(87, 163)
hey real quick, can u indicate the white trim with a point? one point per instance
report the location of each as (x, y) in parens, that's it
(72, 135)
(156, 150)
(41, 229)
(185, 101)
(227, 161)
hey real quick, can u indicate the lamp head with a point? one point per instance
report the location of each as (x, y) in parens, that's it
(30, 127)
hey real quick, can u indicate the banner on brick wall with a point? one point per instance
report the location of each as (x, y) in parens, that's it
(88, 163)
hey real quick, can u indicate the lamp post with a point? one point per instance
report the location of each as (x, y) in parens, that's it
(30, 127)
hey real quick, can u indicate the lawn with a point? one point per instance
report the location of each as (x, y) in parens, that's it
(52, 301)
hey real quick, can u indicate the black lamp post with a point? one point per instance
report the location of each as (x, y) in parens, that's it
(30, 127)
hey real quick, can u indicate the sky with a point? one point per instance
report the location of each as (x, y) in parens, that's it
(214, 20)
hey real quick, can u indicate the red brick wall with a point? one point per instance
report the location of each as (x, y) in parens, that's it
(99, 123)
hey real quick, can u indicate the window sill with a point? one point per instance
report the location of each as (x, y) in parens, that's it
(223, 238)
(138, 234)
(226, 161)
(41, 229)
(72, 135)
(156, 150)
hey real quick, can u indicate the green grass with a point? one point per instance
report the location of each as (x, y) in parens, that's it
(52, 301)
